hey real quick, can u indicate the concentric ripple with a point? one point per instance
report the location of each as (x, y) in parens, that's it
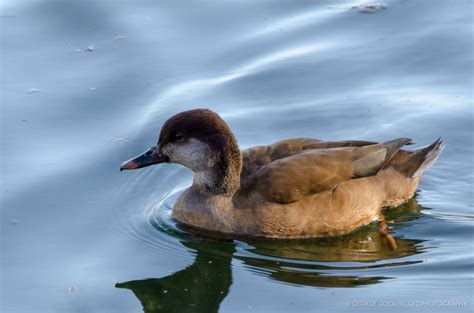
(355, 259)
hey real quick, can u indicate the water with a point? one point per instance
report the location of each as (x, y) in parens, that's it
(87, 84)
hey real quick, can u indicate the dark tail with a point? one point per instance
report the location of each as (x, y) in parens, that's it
(373, 158)
(392, 147)
(388, 154)
(429, 156)
(415, 163)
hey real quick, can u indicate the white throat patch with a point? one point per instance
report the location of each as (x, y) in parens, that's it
(195, 155)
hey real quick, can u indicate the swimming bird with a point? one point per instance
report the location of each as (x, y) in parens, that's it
(294, 188)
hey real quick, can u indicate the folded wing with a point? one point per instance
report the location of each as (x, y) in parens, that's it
(289, 170)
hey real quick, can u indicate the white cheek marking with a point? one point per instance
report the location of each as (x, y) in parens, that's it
(194, 154)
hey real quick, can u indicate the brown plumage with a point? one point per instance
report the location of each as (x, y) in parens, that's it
(290, 189)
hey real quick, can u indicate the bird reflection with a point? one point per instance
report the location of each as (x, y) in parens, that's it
(199, 287)
(202, 286)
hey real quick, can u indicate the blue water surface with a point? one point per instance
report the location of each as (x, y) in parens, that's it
(87, 84)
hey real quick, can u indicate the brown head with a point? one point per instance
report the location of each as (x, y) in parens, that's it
(200, 140)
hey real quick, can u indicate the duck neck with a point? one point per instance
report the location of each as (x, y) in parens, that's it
(222, 176)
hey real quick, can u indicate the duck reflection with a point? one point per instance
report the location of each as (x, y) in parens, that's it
(202, 286)
(199, 287)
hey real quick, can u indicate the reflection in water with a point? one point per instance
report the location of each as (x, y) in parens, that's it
(198, 288)
(203, 285)
(274, 70)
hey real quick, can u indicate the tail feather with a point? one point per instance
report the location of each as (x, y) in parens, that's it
(392, 147)
(430, 155)
(372, 158)
(388, 154)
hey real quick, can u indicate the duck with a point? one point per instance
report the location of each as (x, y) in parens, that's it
(293, 188)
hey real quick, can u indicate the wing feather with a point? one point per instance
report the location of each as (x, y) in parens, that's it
(288, 170)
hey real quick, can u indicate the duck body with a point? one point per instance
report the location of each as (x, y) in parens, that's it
(295, 188)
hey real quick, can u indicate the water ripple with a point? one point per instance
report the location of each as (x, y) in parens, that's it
(202, 85)
(361, 253)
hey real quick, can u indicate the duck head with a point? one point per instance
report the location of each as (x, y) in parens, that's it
(200, 140)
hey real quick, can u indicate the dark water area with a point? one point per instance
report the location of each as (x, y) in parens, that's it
(87, 84)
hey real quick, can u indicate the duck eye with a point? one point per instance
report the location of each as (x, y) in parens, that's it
(178, 137)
